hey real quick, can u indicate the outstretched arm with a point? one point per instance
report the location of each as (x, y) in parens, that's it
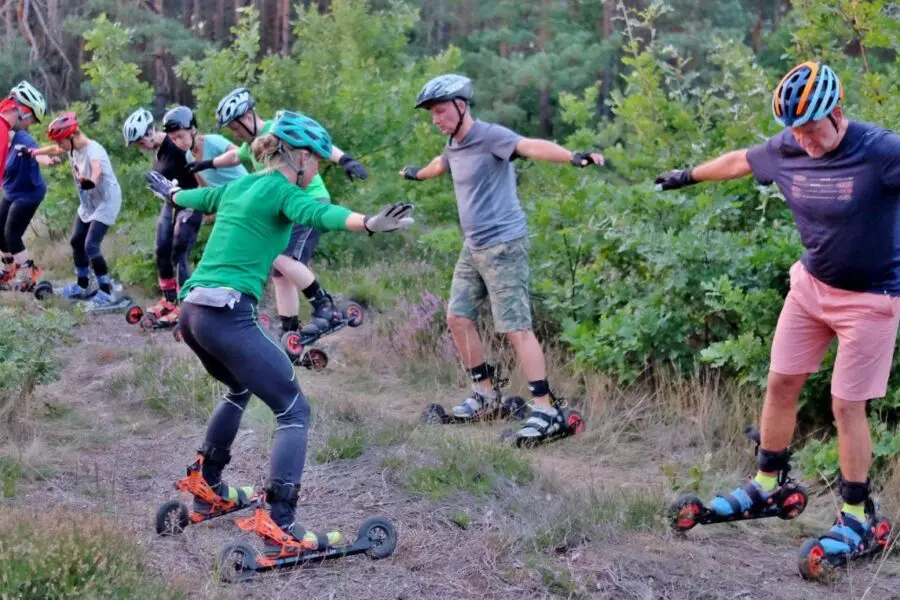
(352, 168)
(731, 165)
(552, 152)
(433, 169)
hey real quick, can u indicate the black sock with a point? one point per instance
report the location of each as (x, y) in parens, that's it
(83, 282)
(312, 290)
(106, 288)
(170, 295)
(289, 323)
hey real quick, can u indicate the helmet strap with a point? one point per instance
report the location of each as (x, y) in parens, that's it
(288, 156)
(462, 114)
(253, 133)
(834, 122)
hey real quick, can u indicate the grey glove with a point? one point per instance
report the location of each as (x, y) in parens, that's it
(391, 218)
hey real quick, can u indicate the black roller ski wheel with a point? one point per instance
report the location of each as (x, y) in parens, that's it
(354, 314)
(172, 518)
(685, 512)
(794, 500)
(574, 421)
(382, 534)
(514, 408)
(148, 320)
(134, 315)
(434, 414)
(290, 341)
(811, 562)
(883, 531)
(176, 333)
(317, 359)
(43, 290)
(236, 562)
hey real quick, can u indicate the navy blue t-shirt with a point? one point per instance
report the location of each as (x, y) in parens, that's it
(846, 204)
(23, 181)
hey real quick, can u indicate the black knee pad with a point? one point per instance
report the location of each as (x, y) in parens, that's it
(853, 492)
(539, 388)
(773, 462)
(215, 454)
(482, 372)
(278, 490)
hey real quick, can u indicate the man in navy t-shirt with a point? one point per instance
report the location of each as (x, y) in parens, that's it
(841, 180)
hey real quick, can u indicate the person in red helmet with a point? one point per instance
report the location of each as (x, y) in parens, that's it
(100, 200)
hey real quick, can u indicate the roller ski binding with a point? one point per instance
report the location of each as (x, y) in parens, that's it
(296, 343)
(566, 423)
(849, 539)
(478, 407)
(377, 538)
(786, 501)
(173, 517)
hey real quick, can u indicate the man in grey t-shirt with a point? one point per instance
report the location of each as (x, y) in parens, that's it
(493, 264)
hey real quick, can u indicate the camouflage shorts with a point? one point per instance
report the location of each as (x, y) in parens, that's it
(499, 274)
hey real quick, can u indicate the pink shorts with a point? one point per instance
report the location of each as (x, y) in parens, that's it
(864, 323)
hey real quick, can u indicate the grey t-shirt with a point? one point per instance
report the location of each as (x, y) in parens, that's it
(104, 201)
(485, 183)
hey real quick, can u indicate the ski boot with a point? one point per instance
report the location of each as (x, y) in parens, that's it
(848, 539)
(477, 407)
(236, 562)
(8, 277)
(786, 501)
(28, 283)
(326, 319)
(567, 422)
(102, 303)
(173, 516)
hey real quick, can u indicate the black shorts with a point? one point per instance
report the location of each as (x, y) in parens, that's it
(302, 243)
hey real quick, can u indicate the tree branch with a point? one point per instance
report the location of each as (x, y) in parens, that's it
(49, 35)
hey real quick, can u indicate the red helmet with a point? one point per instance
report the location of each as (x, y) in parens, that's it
(63, 126)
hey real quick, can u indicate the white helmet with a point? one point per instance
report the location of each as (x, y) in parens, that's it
(233, 106)
(137, 125)
(27, 95)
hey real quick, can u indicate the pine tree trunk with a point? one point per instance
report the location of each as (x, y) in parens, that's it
(186, 8)
(161, 74)
(218, 32)
(546, 110)
(285, 19)
(606, 30)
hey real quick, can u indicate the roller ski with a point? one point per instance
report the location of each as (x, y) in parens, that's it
(544, 427)
(293, 546)
(210, 502)
(479, 407)
(848, 539)
(786, 501)
(161, 315)
(326, 319)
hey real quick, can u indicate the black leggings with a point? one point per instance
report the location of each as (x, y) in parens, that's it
(86, 241)
(176, 234)
(234, 350)
(14, 220)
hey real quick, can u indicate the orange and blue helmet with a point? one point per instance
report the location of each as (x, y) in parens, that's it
(809, 92)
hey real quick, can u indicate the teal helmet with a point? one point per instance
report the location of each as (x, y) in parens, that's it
(300, 131)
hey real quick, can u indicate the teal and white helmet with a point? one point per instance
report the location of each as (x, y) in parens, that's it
(137, 125)
(444, 88)
(300, 131)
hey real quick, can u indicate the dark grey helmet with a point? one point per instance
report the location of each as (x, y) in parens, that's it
(444, 88)
(180, 117)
